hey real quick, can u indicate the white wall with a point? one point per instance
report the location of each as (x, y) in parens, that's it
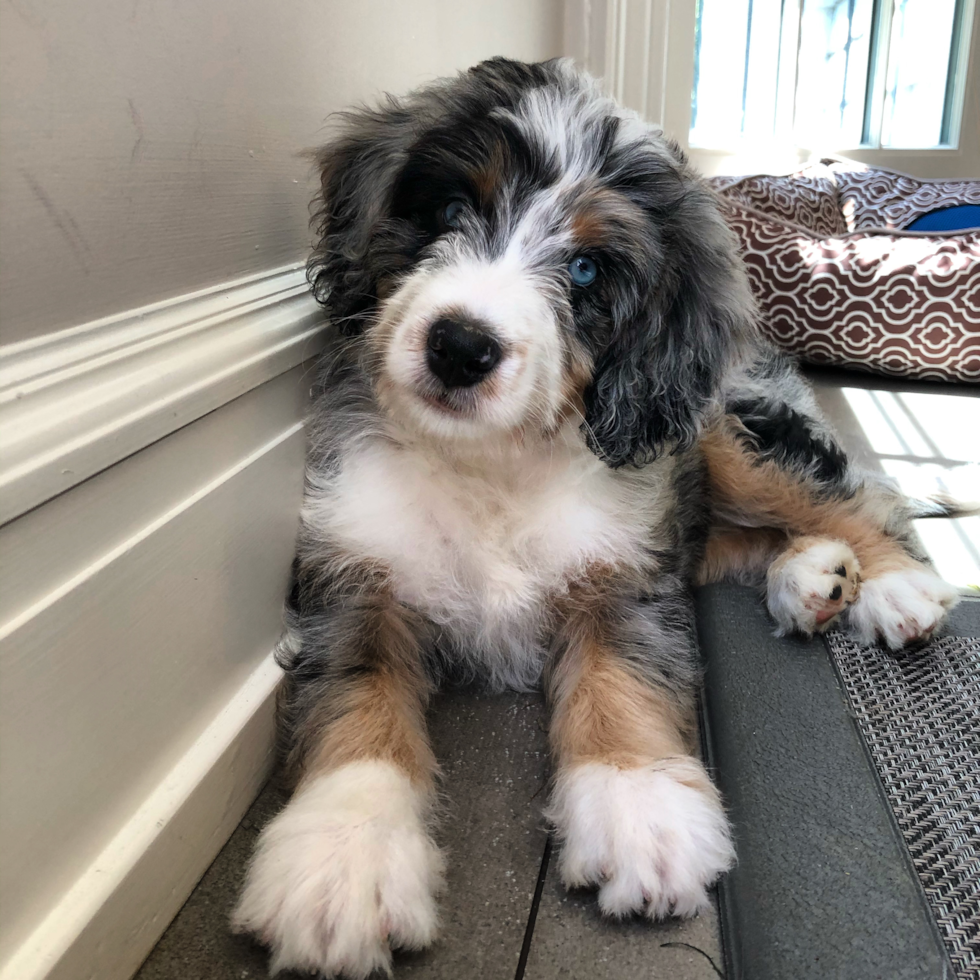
(150, 149)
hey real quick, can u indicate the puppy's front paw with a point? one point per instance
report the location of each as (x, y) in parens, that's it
(652, 839)
(901, 607)
(811, 584)
(344, 874)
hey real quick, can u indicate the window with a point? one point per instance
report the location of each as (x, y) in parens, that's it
(831, 74)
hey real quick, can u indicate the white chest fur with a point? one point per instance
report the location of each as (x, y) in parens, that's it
(480, 548)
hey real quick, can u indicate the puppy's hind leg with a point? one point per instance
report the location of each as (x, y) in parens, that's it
(637, 814)
(739, 554)
(348, 871)
(854, 534)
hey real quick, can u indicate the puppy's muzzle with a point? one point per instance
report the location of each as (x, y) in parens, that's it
(460, 352)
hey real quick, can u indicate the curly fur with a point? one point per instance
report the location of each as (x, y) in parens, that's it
(539, 524)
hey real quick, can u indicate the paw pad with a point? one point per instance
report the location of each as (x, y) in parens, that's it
(811, 584)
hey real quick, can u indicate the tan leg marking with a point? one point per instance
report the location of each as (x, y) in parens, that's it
(603, 709)
(382, 712)
(603, 712)
(767, 495)
(740, 551)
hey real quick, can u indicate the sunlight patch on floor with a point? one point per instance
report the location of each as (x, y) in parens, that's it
(929, 444)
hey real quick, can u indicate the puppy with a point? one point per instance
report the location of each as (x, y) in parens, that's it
(545, 415)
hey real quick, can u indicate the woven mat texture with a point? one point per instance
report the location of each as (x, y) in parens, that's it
(919, 712)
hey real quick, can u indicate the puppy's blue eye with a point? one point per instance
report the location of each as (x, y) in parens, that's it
(452, 214)
(583, 270)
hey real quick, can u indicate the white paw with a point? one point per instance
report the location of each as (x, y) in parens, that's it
(810, 585)
(901, 607)
(652, 839)
(344, 874)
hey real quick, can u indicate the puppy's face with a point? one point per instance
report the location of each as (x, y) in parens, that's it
(517, 250)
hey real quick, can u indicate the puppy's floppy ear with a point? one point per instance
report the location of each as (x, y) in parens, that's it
(357, 174)
(653, 383)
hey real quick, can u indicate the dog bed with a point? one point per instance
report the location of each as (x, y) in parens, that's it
(839, 282)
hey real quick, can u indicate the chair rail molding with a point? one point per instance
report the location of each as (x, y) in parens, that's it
(79, 400)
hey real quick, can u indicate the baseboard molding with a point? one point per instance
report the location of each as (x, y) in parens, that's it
(77, 401)
(111, 918)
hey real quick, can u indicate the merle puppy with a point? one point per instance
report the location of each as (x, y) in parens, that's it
(546, 414)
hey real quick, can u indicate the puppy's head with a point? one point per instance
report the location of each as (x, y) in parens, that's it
(516, 250)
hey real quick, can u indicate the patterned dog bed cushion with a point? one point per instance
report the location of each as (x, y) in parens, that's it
(904, 304)
(809, 198)
(871, 198)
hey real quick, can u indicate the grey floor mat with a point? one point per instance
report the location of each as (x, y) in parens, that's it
(824, 887)
(919, 714)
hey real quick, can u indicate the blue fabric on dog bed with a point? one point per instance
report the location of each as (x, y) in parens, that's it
(956, 218)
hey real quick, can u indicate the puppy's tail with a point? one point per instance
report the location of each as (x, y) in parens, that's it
(943, 505)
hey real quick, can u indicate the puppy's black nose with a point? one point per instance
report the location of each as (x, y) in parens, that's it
(460, 353)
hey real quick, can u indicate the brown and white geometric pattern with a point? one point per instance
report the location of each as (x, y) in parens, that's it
(810, 199)
(902, 304)
(874, 198)
(919, 714)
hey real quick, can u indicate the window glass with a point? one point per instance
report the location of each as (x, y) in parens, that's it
(835, 47)
(918, 65)
(736, 67)
(826, 74)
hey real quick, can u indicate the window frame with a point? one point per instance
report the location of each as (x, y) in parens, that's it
(644, 51)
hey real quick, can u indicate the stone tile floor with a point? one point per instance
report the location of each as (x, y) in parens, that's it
(493, 753)
(494, 756)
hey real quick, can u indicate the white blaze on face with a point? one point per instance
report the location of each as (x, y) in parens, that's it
(516, 308)
(522, 307)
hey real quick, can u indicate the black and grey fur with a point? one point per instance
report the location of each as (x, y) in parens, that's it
(527, 440)
(672, 304)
